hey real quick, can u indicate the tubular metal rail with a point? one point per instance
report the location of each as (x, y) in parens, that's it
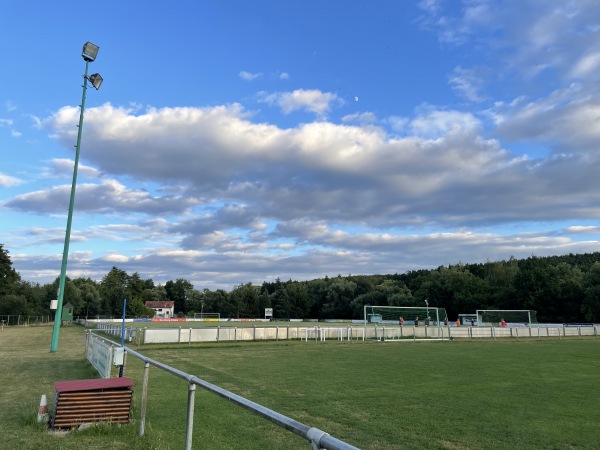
(318, 438)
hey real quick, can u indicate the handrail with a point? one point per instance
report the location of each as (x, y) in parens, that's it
(319, 439)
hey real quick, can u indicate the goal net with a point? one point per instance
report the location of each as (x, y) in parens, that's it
(405, 315)
(494, 317)
(208, 317)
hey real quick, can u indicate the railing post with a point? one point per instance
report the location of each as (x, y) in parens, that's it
(189, 428)
(144, 399)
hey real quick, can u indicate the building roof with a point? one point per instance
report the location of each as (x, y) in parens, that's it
(167, 304)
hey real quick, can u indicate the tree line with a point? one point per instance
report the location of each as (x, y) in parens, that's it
(561, 289)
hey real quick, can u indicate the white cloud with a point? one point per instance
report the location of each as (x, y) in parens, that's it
(110, 196)
(8, 181)
(336, 172)
(397, 124)
(284, 76)
(10, 106)
(467, 83)
(360, 118)
(249, 76)
(62, 167)
(586, 65)
(436, 123)
(311, 100)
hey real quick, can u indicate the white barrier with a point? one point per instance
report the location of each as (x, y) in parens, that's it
(317, 333)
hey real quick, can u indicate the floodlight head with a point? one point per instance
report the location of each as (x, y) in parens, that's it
(90, 51)
(96, 80)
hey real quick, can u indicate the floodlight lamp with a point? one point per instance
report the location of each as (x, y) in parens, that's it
(90, 51)
(96, 80)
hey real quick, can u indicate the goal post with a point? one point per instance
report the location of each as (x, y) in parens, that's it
(493, 317)
(209, 317)
(404, 315)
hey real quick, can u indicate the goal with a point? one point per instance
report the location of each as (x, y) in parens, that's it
(408, 314)
(493, 317)
(209, 317)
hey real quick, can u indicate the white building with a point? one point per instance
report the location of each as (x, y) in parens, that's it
(164, 310)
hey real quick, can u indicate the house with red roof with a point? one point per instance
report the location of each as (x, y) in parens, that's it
(164, 310)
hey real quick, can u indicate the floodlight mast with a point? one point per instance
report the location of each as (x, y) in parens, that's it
(89, 53)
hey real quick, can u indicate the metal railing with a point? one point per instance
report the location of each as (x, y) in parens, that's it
(317, 438)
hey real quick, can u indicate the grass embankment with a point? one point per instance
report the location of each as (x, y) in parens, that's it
(457, 395)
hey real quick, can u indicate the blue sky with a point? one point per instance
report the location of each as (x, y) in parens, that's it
(236, 142)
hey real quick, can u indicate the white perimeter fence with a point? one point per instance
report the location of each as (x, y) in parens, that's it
(141, 336)
(316, 437)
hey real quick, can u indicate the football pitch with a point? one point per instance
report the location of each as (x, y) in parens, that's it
(527, 394)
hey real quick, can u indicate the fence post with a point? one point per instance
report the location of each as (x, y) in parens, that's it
(189, 428)
(144, 399)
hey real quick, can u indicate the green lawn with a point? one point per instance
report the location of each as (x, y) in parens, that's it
(537, 394)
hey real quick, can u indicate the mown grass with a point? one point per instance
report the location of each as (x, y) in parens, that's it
(530, 394)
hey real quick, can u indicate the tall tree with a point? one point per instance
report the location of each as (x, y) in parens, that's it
(90, 296)
(113, 289)
(244, 299)
(177, 291)
(591, 301)
(8, 275)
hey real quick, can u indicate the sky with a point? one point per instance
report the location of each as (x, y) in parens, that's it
(235, 141)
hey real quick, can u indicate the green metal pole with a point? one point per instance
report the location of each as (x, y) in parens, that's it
(63, 267)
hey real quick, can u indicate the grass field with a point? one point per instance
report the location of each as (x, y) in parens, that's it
(455, 395)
